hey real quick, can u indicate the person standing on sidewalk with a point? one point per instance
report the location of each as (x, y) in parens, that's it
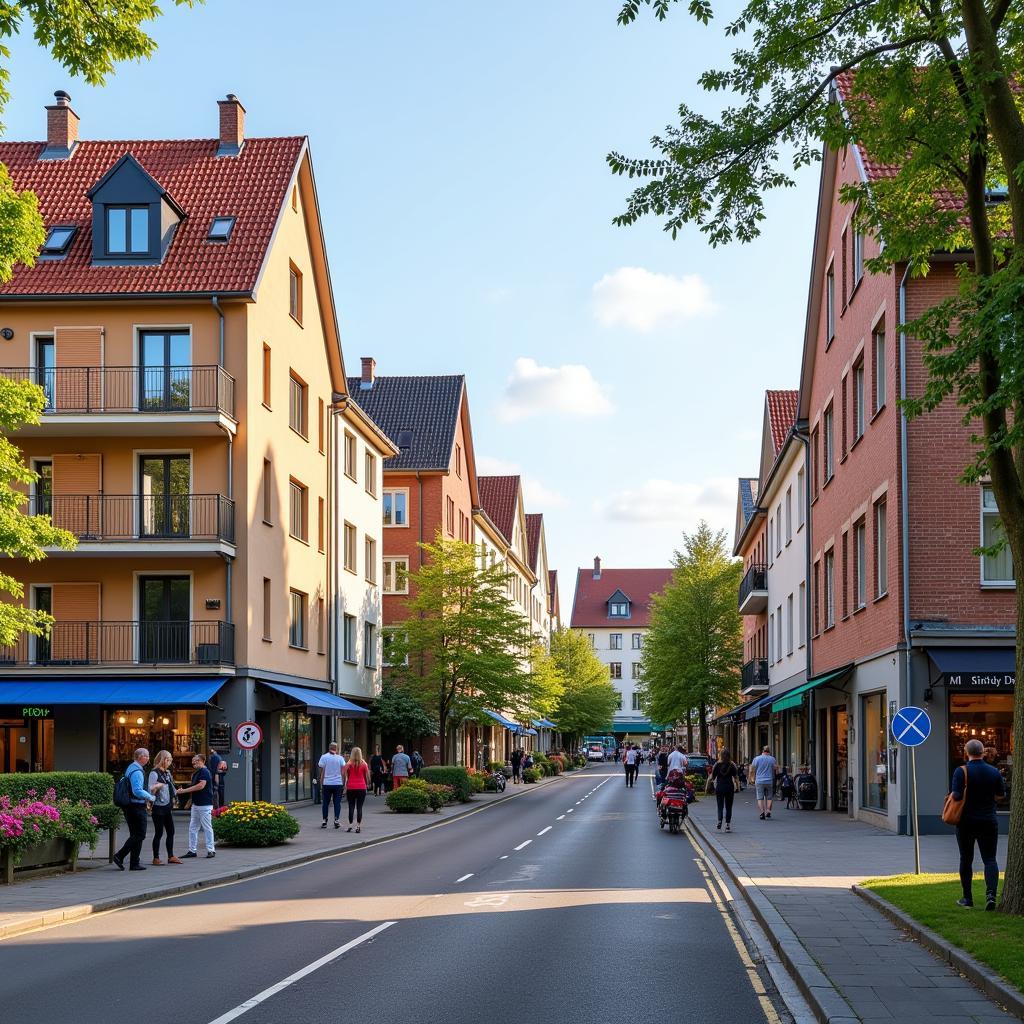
(978, 823)
(401, 767)
(377, 772)
(135, 812)
(332, 783)
(629, 759)
(161, 785)
(763, 768)
(357, 778)
(218, 769)
(517, 765)
(725, 776)
(201, 817)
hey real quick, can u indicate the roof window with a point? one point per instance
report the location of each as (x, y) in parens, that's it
(220, 229)
(57, 240)
(405, 439)
(127, 230)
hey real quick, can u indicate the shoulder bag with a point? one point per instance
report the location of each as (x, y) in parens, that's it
(953, 810)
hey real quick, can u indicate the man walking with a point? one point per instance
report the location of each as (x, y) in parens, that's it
(631, 766)
(401, 767)
(678, 760)
(417, 763)
(662, 773)
(332, 782)
(763, 768)
(135, 812)
(202, 808)
(978, 783)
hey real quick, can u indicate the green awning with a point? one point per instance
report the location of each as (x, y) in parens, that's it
(794, 698)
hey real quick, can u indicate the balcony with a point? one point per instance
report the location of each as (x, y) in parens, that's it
(754, 677)
(207, 644)
(754, 591)
(126, 524)
(147, 400)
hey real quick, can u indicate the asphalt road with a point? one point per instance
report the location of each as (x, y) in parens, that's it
(568, 903)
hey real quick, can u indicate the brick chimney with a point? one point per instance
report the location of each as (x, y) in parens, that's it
(369, 372)
(597, 567)
(61, 128)
(232, 126)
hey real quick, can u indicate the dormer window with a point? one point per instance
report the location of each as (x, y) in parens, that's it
(618, 609)
(127, 230)
(57, 241)
(220, 229)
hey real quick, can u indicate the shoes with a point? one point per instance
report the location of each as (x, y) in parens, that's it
(119, 861)
(191, 853)
(728, 827)
(324, 825)
(990, 901)
(762, 815)
(337, 824)
(137, 867)
(173, 860)
(359, 828)
(157, 861)
(768, 814)
(719, 826)
(210, 855)
(964, 902)
(349, 829)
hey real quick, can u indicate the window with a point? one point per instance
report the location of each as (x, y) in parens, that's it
(266, 376)
(458, 461)
(771, 638)
(830, 305)
(859, 564)
(297, 404)
(320, 524)
(295, 292)
(858, 400)
(878, 366)
(789, 624)
(801, 496)
(874, 730)
(320, 426)
(789, 514)
(996, 568)
(350, 547)
(593, 640)
(615, 669)
(768, 542)
(396, 575)
(618, 609)
(615, 642)
(220, 229)
(830, 451)
(638, 641)
(450, 516)
(58, 239)
(778, 529)
(267, 598)
(348, 639)
(350, 455)
(369, 645)
(370, 553)
(395, 507)
(127, 230)
(858, 252)
(802, 613)
(268, 493)
(844, 578)
(370, 473)
(881, 551)
(635, 670)
(618, 700)
(844, 268)
(830, 589)
(778, 633)
(844, 415)
(297, 619)
(298, 517)
(815, 462)
(816, 594)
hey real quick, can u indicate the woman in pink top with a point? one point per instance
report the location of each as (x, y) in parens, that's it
(357, 779)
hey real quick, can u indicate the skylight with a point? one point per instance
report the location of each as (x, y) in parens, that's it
(405, 439)
(220, 229)
(57, 241)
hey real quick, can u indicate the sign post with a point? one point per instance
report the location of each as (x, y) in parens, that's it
(911, 726)
(248, 735)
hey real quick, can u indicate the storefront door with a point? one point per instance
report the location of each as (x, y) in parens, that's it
(840, 760)
(26, 745)
(296, 757)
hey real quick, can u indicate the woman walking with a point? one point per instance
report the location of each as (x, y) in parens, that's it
(725, 776)
(357, 778)
(377, 772)
(161, 785)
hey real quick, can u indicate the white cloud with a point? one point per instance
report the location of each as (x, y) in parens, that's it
(536, 495)
(679, 503)
(534, 390)
(642, 300)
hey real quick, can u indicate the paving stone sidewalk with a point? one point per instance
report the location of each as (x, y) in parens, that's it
(98, 885)
(803, 863)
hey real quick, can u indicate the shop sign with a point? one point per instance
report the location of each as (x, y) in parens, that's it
(989, 681)
(36, 712)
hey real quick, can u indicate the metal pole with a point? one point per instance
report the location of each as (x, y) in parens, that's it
(913, 798)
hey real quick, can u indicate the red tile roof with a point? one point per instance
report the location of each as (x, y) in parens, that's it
(534, 521)
(498, 500)
(251, 187)
(781, 415)
(590, 605)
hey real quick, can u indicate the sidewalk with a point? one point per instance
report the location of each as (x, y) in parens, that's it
(850, 961)
(98, 886)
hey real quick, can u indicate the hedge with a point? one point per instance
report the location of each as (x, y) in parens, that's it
(408, 800)
(450, 775)
(95, 788)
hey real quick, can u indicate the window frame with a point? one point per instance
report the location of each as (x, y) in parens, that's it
(349, 645)
(987, 514)
(829, 585)
(370, 557)
(860, 554)
(127, 251)
(349, 542)
(390, 568)
(880, 516)
(614, 669)
(880, 384)
(369, 644)
(614, 641)
(268, 621)
(830, 303)
(857, 396)
(370, 473)
(295, 293)
(298, 638)
(297, 489)
(350, 455)
(828, 422)
(404, 492)
(268, 492)
(298, 405)
(266, 371)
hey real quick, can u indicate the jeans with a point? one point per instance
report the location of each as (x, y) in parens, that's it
(163, 822)
(135, 819)
(378, 783)
(355, 805)
(986, 835)
(630, 774)
(201, 818)
(332, 793)
(724, 799)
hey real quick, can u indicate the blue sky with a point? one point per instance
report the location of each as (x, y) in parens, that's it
(459, 154)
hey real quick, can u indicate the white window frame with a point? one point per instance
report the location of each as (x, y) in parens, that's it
(404, 491)
(830, 303)
(986, 513)
(614, 641)
(391, 565)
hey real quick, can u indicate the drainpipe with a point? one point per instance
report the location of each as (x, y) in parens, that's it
(220, 313)
(812, 731)
(419, 485)
(906, 689)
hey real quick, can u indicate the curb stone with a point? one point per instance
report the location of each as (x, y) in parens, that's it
(76, 912)
(982, 977)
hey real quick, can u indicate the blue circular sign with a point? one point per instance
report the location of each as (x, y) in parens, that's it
(911, 726)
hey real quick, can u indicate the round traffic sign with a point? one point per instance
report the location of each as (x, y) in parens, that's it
(911, 726)
(248, 735)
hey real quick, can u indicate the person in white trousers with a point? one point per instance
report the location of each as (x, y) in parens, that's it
(202, 808)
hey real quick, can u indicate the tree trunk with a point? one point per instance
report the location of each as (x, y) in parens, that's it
(703, 712)
(1013, 886)
(442, 725)
(689, 730)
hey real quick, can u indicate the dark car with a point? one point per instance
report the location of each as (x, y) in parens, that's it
(700, 764)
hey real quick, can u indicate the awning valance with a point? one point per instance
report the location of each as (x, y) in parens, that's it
(151, 691)
(543, 723)
(794, 698)
(754, 710)
(501, 720)
(318, 702)
(976, 668)
(526, 732)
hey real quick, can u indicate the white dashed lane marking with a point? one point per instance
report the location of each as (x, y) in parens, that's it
(560, 817)
(522, 846)
(543, 830)
(463, 878)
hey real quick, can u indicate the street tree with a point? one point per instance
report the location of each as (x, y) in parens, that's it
(936, 97)
(464, 647)
(588, 700)
(547, 684)
(396, 712)
(693, 648)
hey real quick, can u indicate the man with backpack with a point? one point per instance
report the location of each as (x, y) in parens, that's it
(417, 763)
(132, 796)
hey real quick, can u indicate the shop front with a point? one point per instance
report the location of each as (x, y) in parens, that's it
(26, 739)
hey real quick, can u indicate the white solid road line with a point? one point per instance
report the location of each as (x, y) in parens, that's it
(560, 817)
(543, 830)
(522, 846)
(463, 878)
(263, 996)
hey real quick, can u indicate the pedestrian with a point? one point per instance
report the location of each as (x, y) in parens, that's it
(629, 760)
(218, 769)
(201, 817)
(977, 784)
(517, 765)
(763, 769)
(725, 776)
(332, 783)
(677, 760)
(401, 767)
(135, 812)
(357, 778)
(161, 785)
(787, 787)
(617, 755)
(417, 763)
(662, 762)
(377, 772)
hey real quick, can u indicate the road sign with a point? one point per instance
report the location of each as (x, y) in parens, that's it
(911, 726)
(248, 735)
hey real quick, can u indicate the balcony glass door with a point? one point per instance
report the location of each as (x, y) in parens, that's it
(45, 368)
(164, 495)
(42, 601)
(165, 369)
(43, 505)
(164, 607)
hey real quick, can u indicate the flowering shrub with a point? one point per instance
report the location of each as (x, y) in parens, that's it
(408, 799)
(532, 774)
(254, 823)
(477, 780)
(33, 820)
(437, 795)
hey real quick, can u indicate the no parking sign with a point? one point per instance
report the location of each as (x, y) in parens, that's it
(911, 726)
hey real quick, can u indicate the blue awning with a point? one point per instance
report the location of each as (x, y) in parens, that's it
(152, 691)
(527, 732)
(502, 721)
(754, 710)
(543, 723)
(319, 702)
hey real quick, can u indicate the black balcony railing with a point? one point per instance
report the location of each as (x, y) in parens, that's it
(754, 673)
(141, 517)
(755, 578)
(83, 389)
(126, 643)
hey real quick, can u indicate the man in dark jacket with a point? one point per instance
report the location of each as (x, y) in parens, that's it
(135, 812)
(978, 822)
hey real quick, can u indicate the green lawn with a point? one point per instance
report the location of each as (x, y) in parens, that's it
(994, 939)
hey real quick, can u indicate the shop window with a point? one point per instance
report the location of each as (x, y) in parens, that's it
(987, 717)
(180, 732)
(296, 757)
(874, 738)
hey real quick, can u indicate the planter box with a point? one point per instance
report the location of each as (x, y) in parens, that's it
(53, 853)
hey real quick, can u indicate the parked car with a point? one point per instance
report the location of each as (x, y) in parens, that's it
(595, 752)
(700, 764)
